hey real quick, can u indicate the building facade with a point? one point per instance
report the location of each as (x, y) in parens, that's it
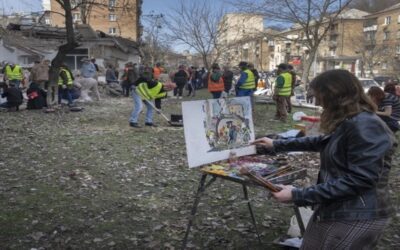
(113, 17)
(338, 48)
(382, 42)
(241, 39)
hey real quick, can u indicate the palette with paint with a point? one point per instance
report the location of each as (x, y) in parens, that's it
(275, 170)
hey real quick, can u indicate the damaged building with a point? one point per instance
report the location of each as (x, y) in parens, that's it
(25, 43)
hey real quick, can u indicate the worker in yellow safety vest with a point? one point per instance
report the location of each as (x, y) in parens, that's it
(283, 89)
(13, 73)
(65, 84)
(147, 89)
(246, 84)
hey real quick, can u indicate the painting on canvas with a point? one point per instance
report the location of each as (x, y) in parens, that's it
(217, 127)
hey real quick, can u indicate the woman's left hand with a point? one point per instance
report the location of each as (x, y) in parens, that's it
(285, 195)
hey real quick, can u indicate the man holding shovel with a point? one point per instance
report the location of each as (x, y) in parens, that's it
(146, 89)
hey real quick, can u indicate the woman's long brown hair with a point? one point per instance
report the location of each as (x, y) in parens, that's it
(341, 95)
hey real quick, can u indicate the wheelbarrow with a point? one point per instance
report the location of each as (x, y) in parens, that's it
(176, 119)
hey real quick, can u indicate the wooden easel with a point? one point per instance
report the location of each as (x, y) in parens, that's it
(203, 185)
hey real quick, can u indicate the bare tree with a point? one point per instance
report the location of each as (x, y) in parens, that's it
(313, 17)
(154, 40)
(68, 6)
(197, 25)
(70, 44)
(88, 7)
(372, 54)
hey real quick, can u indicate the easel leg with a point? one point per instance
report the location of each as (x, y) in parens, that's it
(253, 219)
(202, 187)
(299, 220)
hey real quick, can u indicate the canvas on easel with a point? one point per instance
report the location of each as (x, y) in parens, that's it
(216, 128)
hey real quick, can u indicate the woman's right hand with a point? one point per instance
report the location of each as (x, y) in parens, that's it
(264, 141)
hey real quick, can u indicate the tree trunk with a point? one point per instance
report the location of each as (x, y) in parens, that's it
(308, 62)
(362, 66)
(205, 62)
(62, 51)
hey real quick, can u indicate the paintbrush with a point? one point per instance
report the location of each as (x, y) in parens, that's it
(267, 184)
(280, 171)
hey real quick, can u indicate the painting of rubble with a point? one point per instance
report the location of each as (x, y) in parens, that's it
(217, 127)
(227, 123)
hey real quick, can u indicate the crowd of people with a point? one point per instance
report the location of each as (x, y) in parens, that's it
(242, 80)
(35, 83)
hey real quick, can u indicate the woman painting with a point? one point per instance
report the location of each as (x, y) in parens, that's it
(350, 199)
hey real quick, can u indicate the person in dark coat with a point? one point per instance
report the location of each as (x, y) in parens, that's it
(14, 97)
(228, 79)
(129, 77)
(180, 78)
(36, 96)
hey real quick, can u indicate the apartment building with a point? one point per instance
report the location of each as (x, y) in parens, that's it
(241, 39)
(382, 41)
(341, 48)
(336, 50)
(113, 17)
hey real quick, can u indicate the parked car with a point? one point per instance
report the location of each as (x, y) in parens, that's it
(368, 83)
(381, 80)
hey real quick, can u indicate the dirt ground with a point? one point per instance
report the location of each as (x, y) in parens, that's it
(86, 180)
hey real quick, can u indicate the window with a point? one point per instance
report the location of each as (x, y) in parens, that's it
(76, 17)
(111, 3)
(332, 52)
(386, 35)
(112, 31)
(388, 20)
(398, 34)
(370, 36)
(397, 49)
(384, 65)
(246, 54)
(112, 17)
(398, 19)
(74, 58)
(74, 3)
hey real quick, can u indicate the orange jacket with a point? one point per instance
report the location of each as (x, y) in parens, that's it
(157, 72)
(215, 86)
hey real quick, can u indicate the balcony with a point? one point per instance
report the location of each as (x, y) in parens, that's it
(332, 43)
(371, 28)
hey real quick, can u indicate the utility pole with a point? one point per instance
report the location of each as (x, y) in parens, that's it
(156, 25)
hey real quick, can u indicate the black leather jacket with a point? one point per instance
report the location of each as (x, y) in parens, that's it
(355, 164)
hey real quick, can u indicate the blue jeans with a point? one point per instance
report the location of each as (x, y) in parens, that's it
(244, 92)
(65, 94)
(138, 106)
(216, 95)
(16, 83)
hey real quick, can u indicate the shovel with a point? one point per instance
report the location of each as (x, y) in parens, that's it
(176, 120)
